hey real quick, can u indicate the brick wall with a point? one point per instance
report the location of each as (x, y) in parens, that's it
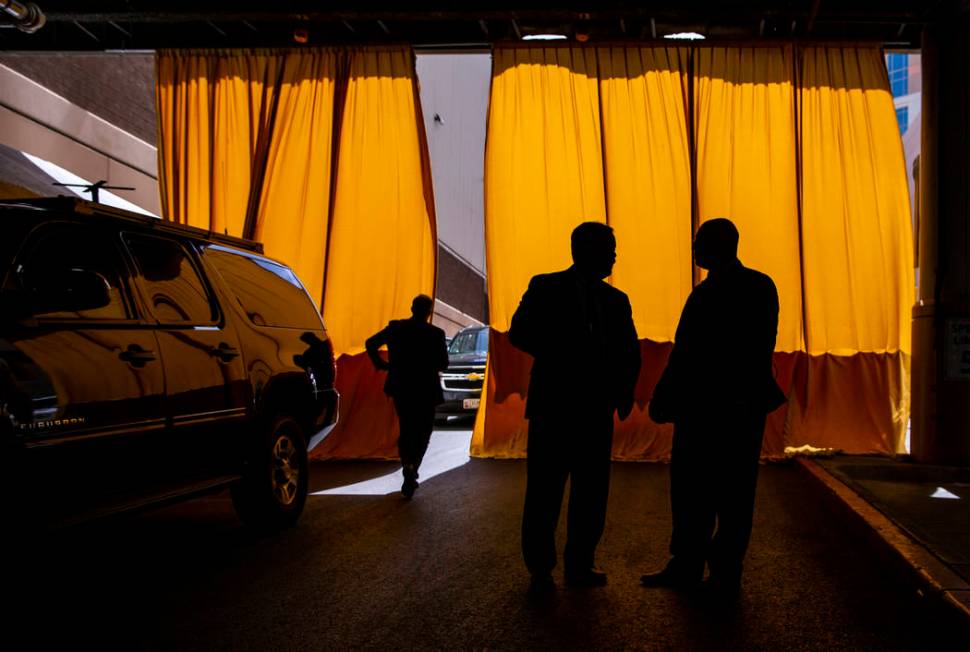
(460, 286)
(120, 88)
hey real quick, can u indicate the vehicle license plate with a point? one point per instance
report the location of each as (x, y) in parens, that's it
(470, 403)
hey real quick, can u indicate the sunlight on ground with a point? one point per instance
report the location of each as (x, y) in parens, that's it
(943, 493)
(448, 450)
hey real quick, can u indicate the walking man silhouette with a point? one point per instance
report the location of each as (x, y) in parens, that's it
(416, 352)
(579, 331)
(717, 390)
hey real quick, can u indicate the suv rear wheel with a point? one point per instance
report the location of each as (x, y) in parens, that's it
(273, 490)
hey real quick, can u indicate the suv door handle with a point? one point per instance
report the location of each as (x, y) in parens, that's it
(136, 356)
(224, 352)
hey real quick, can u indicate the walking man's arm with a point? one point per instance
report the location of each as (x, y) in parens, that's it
(373, 345)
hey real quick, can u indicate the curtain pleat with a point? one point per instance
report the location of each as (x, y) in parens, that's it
(293, 210)
(382, 240)
(543, 152)
(747, 171)
(858, 255)
(643, 94)
(543, 156)
(746, 165)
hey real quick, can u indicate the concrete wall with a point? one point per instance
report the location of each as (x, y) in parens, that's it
(454, 99)
(36, 120)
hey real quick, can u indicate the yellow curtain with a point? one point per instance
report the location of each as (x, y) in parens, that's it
(297, 176)
(543, 150)
(744, 108)
(643, 93)
(382, 244)
(544, 169)
(746, 165)
(801, 151)
(382, 241)
(544, 158)
(246, 145)
(212, 108)
(858, 252)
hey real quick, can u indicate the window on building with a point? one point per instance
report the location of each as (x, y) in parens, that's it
(898, 67)
(902, 117)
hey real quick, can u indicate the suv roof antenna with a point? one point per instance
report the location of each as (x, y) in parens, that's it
(94, 188)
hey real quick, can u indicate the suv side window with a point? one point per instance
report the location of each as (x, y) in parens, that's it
(269, 293)
(173, 287)
(62, 247)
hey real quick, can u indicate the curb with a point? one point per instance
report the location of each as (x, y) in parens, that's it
(932, 579)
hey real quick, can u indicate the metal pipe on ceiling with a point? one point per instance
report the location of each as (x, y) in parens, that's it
(25, 17)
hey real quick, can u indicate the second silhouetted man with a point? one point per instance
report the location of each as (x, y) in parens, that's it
(580, 332)
(717, 389)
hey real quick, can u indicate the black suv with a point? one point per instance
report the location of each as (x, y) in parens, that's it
(463, 380)
(142, 362)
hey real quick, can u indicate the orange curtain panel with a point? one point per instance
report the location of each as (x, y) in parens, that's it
(292, 208)
(643, 94)
(212, 108)
(544, 176)
(567, 143)
(744, 117)
(319, 154)
(746, 165)
(798, 147)
(858, 260)
(382, 241)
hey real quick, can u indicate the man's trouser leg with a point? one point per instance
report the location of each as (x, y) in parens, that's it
(691, 502)
(416, 421)
(546, 472)
(591, 444)
(735, 500)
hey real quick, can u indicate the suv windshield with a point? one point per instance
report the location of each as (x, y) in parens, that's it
(472, 341)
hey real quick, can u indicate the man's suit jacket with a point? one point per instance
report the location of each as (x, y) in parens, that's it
(723, 348)
(583, 341)
(416, 352)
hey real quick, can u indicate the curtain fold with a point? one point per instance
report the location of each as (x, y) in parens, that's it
(543, 153)
(567, 142)
(746, 165)
(858, 254)
(643, 95)
(543, 156)
(212, 108)
(744, 108)
(382, 243)
(857, 228)
(319, 153)
(798, 147)
(296, 178)
(382, 240)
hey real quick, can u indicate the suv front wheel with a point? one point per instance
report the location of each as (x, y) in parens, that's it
(273, 490)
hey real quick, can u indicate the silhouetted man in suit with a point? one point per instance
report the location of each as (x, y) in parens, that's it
(416, 352)
(580, 332)
(717, 389)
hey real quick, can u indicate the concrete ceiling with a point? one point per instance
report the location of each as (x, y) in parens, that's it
(150, 24)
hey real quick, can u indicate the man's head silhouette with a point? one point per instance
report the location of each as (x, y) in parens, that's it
(594, 249)
(716, 244)
(421, 307)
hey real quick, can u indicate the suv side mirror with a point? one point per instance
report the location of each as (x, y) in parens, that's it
(68, 290)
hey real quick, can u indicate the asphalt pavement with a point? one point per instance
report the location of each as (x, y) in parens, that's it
(365, 569)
